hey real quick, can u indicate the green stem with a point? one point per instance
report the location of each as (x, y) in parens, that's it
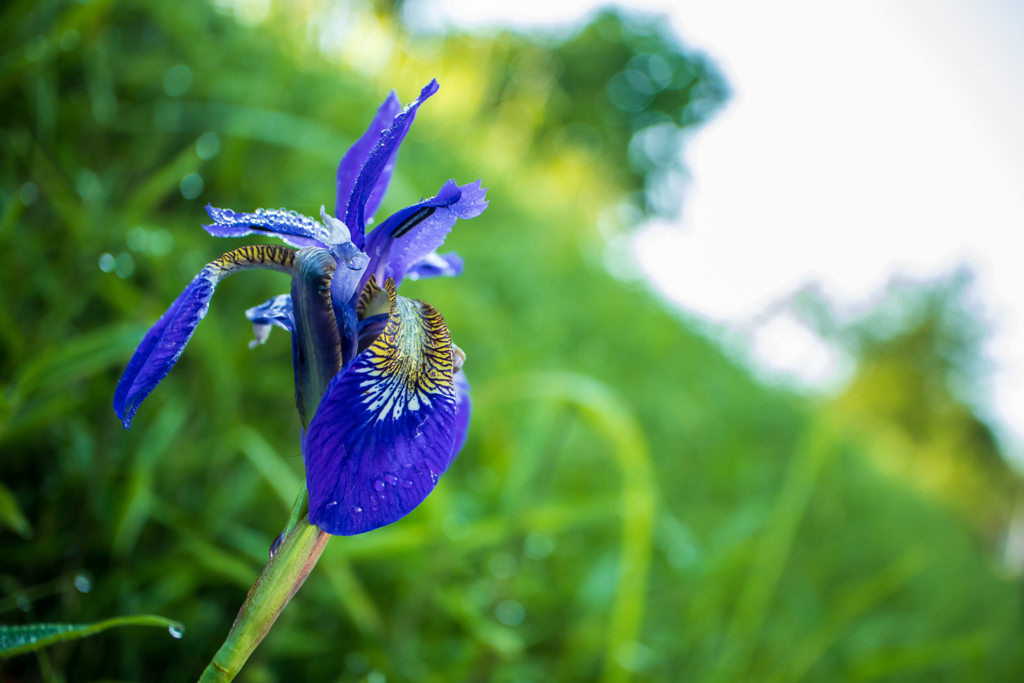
(298, 510)
(280, 580)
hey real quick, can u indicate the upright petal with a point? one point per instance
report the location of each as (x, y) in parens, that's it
(357, 154)
(294, 228)
(376, 161)
(277, 311)
(415, 232)
(165, 341)
(385, 429)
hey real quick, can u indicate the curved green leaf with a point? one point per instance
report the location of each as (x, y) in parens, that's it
(16, 640)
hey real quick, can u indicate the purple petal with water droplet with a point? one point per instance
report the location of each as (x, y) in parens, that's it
(355, 158)
(376, 162)
(414, 233)
(388, 417)
(294, 228)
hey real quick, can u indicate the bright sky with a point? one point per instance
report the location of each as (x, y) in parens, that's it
(866, 139)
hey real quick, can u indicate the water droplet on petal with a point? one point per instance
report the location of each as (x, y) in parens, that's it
(357, 509)
(407, 483)
(390, 478)
(378, 485)
(176, 630)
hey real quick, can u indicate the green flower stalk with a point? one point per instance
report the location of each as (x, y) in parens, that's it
(294, 558)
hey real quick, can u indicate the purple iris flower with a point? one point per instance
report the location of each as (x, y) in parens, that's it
(381, 396)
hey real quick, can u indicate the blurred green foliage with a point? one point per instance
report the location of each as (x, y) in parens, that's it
(920, 375)
(622, 89)
(631, 504)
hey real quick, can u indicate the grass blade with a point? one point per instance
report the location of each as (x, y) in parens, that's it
(16, 640)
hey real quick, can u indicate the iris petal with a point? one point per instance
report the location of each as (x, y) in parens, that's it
(373, 310)
(294, 228)
(165, 341)
(436, 265)
(402, 241)
(277, 311)
(373, 300)
(357, 154)
(376, 162)
(463, 412)
(385, 429)
(318, 351)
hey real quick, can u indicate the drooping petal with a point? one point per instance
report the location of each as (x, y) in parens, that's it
(463, 413)
(276, 311)
(357, 154)
(436, 265)
(165, 341)
(385, 429)
(376, 161)
(415, 232)
(294, 228)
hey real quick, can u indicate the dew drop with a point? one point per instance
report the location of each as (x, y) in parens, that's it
(378, 485)
(407, 483)
(176, 630)
(357, 509)
(390, 478)
(82, 583)
(276, 544)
